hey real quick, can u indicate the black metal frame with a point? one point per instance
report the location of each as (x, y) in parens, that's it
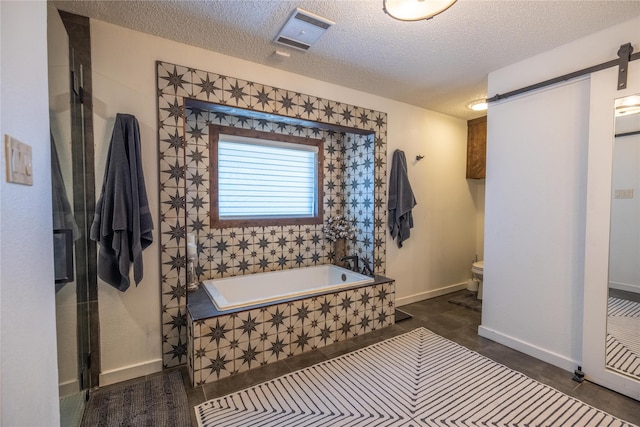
(83, 176)
(66, 255)
(625, 56)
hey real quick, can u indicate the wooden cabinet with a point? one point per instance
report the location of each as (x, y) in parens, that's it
(477, 148)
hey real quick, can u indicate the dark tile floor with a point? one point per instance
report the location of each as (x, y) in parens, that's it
(451, 321)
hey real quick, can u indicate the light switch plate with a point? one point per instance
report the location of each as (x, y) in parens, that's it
(623, 194)
(19, 165)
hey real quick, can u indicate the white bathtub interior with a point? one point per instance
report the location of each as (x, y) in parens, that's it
(253, 289)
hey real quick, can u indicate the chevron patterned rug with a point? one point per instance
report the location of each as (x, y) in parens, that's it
(415, 379)
(623, 336)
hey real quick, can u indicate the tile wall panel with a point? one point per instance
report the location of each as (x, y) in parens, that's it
(184, 195)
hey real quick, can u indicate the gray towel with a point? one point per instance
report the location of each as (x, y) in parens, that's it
(401, 199)
(122, 223)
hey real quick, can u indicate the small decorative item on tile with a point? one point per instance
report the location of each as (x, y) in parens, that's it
(338, 229)
(192, 253)
(340, 250)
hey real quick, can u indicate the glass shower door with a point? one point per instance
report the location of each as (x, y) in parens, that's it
(73, 200)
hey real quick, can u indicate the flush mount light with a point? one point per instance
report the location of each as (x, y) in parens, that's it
(415, 10)
(478, 105)
(628, 105)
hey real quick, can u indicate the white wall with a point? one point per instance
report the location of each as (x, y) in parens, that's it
(536, 198)
(29, 389)
(624, 269)
(437, 255)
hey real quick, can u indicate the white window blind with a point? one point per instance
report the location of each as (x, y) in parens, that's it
(266, 179)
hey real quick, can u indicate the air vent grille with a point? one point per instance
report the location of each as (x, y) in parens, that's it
(303, 29)
(313, 21)
(292, 43)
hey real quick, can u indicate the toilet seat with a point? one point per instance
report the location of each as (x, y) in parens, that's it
(478, 267)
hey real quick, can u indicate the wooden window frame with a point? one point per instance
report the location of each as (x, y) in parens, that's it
(214, 137)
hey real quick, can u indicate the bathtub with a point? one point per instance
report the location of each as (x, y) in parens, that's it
(262, 288)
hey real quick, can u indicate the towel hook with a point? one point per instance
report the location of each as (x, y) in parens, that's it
(419, 157)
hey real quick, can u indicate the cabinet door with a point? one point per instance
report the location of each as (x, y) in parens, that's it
(477, 148)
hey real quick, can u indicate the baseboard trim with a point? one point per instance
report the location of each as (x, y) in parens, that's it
(550, 357)
(68, 388)
(430, 294)
(129, 372)
(625, 287)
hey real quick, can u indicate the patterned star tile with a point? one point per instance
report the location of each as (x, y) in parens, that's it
(263, 98)
(302, 340)
(207, 86)
(174, 79)
(362, 322)
(328, 112)
(276, 347)
(345, 328)
(248, 354)
(345, 303)
(276, 318)
(174, 320)
(313, 330)
(174, 294)
(174, 232)
(248, 325)
(236, 93)
(325, 334)
(174, 350)
(198, 202)
(217, 332)
(171, 141)
(307, 107)
(286, 102)
(172, 172)
(171, 111)
(174, 203)
(173, 262)
(300, 314)
(217, 365)
(324, 308)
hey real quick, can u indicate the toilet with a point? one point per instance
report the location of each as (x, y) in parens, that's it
(477, 270)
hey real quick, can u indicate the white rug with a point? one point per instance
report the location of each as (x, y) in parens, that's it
(623, 336)
(415, 379)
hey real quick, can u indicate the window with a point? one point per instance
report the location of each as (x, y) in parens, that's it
(263, 178)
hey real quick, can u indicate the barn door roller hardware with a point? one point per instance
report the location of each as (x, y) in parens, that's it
(625, 54)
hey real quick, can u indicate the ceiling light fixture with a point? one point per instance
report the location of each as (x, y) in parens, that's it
(478, 105)
(415, 10)
(628, 105)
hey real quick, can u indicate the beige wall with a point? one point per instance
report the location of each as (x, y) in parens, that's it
(437, 255)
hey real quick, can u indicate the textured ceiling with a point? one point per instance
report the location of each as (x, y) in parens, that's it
(440, 64)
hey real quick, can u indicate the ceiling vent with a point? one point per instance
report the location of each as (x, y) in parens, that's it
(303, 29)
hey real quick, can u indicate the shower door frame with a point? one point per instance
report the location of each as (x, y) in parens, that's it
(83, 176)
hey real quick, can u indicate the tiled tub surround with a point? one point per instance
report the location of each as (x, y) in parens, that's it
(354, 184)
(224, 344)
